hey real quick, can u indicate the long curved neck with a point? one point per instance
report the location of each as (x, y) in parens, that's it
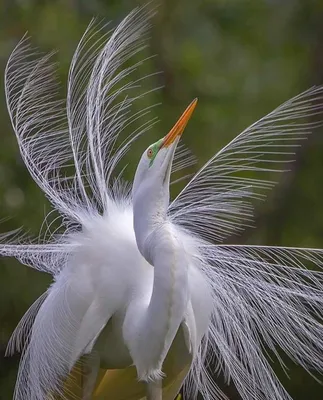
(169, 297)
(149, 212)
(162, 316)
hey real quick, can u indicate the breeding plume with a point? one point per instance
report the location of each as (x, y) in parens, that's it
(145, 298)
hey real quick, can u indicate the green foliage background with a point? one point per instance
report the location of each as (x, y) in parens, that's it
(241, 58)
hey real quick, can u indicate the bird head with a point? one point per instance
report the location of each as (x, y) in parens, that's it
(151, 183)
(155, 165)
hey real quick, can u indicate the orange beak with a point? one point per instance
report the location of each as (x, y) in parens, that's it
(180, 125)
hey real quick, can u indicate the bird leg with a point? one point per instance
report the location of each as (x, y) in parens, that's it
(154, 390)
(91, 368)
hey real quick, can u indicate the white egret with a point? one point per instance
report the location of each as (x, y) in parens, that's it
(144, 296)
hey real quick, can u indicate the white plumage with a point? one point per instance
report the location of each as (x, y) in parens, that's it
(139, 280)
(105, 280)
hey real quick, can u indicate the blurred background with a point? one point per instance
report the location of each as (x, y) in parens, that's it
(241, 58)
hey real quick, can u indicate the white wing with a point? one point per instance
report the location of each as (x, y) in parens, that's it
(218, 199)
(37, 119)
(21, 334)
(61, 323)
(101, 95)
(71, 153)
(46, 257)
(270, 296)
(99, 104)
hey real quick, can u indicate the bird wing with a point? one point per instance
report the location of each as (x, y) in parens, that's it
(98, 108)
(67, 322)
(22, 331)
(218, 199)
(93, 321)
(264, 297)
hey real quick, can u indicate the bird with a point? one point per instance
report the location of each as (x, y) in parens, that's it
(146, 297)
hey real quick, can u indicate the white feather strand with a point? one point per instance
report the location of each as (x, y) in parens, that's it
(263, 298)
(226, 185)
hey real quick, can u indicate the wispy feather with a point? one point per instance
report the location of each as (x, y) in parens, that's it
(263, 298)
(227, 185)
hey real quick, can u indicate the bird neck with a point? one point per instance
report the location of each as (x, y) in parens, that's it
(150, 205)
(160, 320)
(162, 314)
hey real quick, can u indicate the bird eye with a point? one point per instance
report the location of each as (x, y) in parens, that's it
(149, 153)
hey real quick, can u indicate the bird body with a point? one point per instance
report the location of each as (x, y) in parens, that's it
(145, 295)
(108, 309)
(100, 262)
